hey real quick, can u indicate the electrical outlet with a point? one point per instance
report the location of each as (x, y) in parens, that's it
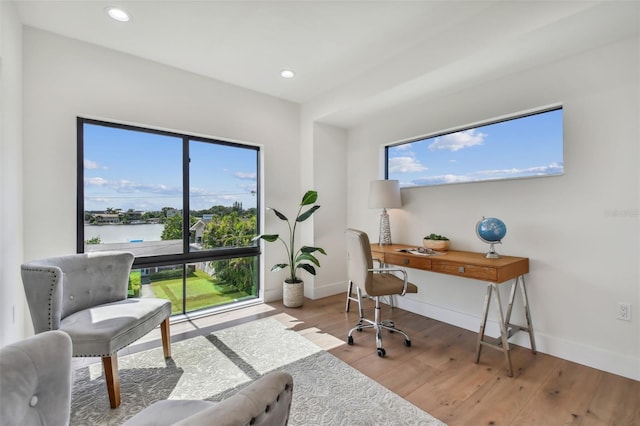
(623, 311)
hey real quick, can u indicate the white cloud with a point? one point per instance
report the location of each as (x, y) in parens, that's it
(457, 141)
(405, 165)
(90, 165)
(96, 181)
(550, 169)
(547, 170)
(243, 175)
(442, 179)
(403, 147)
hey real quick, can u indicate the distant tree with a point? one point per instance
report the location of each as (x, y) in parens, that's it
(146, 216)
(94, 240)
(173, 227)
(233, 230)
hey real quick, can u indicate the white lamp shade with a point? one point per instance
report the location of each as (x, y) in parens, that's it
(384, 194)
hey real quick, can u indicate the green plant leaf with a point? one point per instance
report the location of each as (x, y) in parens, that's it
(309, 197)
(310, 269)
(308, 249)
(267, 237)
(279, 266)
(280, 215)
(304, 216)
(309, 257)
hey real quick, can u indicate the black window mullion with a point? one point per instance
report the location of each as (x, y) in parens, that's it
(185, 195)
(185, 216)
(80, 186)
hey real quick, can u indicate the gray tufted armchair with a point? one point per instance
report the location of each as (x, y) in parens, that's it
(85, 295)
(35, 384)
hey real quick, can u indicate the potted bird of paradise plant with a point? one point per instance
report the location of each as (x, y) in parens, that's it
(297, 258)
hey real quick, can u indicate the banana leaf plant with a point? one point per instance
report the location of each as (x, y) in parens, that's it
(303, 257)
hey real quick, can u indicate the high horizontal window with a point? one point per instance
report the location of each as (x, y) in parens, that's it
(186, 206)
(521, 146)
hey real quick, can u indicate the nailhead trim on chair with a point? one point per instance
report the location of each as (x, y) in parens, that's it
(268, 408)
(54, 278)
(53, 281)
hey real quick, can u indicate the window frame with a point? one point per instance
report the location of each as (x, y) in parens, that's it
(476, 125)
(186, 256)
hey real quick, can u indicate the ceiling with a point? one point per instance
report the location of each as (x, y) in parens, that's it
(351, 58)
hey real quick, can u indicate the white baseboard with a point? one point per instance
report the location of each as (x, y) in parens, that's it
(597, 358)
(327, 290)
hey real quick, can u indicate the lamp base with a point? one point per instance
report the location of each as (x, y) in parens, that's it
(385, 229)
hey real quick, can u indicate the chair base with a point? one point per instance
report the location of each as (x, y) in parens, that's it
(377, 324)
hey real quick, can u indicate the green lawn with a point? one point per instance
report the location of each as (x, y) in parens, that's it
(202, 292)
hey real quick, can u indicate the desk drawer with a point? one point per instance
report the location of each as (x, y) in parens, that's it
(408, 261)
(467, 271)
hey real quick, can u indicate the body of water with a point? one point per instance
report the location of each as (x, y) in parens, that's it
(123, 233)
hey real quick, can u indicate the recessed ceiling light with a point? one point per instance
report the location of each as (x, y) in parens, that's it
(118, 14)
(287, 73)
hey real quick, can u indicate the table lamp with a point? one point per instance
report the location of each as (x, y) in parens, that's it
(384, 194)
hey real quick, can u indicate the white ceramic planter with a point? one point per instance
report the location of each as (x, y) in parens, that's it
(292, 294)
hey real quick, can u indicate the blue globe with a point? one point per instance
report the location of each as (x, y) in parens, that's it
(491, 230)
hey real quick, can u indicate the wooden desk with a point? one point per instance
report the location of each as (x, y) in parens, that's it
(476, 266)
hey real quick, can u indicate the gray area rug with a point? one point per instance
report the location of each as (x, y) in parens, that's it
(327, 391)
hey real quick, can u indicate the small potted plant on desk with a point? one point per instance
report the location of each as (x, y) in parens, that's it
(301, 258)
(436, 242)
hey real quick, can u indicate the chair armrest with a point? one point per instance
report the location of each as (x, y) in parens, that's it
(405, 277)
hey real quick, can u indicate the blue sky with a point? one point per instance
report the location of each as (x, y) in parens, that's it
(143, 171)
(524, 147)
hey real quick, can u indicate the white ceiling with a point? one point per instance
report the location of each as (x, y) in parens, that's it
(352, 58)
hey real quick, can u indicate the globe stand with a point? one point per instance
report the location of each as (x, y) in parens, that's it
(491, 254)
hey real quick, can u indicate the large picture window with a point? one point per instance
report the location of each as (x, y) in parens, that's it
(521, 146)
(186, 206)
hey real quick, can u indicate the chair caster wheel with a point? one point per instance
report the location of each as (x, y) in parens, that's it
(381, 352)
(407, 343)
(350, 340)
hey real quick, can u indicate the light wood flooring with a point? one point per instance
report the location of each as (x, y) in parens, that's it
(437, 372)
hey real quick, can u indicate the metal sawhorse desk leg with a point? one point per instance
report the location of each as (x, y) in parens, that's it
(507, 329)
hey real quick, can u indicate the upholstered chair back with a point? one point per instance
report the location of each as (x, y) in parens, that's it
(359, 260)
(35, 381)
(74, 282)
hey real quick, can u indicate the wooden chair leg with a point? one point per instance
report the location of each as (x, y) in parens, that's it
(110, 365)
(166, 338)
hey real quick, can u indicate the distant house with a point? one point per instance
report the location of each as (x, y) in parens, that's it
(196, 231)
(107, 218)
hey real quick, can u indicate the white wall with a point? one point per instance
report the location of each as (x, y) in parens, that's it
(580, 230)
(64, 78)
(12, 310)
(330, 180)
